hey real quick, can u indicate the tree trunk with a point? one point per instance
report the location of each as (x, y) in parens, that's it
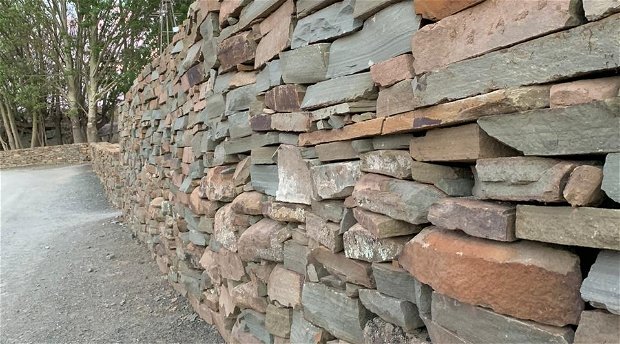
(34, 138)
(4, 145)
(9, 125)
(91, 124)
(74, 112)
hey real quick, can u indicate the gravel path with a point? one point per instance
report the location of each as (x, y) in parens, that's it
(70, 272)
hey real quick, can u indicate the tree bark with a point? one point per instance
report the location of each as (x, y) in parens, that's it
(34, 138)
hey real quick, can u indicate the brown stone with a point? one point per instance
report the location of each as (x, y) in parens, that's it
(523, 279)
(488, 26)
(227, 225)
(361, 244)
(469, 109)
(464, 143)
(285, 286)
(200, 206)
(454, 181)
(295, 183)
(389, 72)
(276, 30)
(393, 163)
(346, 269)
(584, 91)
(250, 203)
(396, 99)
(229, 264)
(229, 8)
(218, 184)
(584, 186)
(236, 50)
(263, 240)
(439, 9)
(362, 129)
(278, 321)
(242, 78)
(285, 212)
(597, 327)
(477, 218)
(291, 122)
(326, 233)
(242, 172)
(285, 98)
(382, 226)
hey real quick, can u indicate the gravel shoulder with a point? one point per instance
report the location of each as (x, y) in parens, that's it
(70, 271)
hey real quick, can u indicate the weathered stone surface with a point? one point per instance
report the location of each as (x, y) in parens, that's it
(584, 186)
(249, 203)
(348, 270)
(339, 90)
(402, 200)
(331, 22)
(289, 122)
(611, 176)
(391, 141)
(285, 98)
(522, 179)
(285, 286)
(378, 331)
(218, 184)
(294, 178)
(480, 325)
(393, 163)
(200, 206)
(344, 108)
(601, 287)
(305, 65)
(597, 9)
(488, 26)
(523, 279)
(526, 63)
(454, 181)
(240, 98)
(366, 8)
(296, 257)
(597, 327)
(229, 264)
(246, 144)
(254, 323)
(552, 131)
(264, 155)
(236, 50)
(394, 281)
(239, 125)
(265, 178)
(319, 303)
(285, 212)
(362, 129)
(382, 226)
(384, 36)
(278, 320)
(477, 218)
(389, 72)
(395, 99)
(263, 240)
(361, 244)
(398, 312)
(589, 227)
(330, 210)
(439, 334)
(335, 180)
(326, 233)
(227, 225)
(584, 91)
(439, 9)
(343, 150)
(464, 143)
(269, 76)
(303, 331)
(469, 109)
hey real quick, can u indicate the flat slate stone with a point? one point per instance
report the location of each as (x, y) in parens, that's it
(480, 325)
(348, 323)
(454, 181)
(611, 176)
(588, 227)
(348, 132)
(382, 226)
(343, 150)
(246, 144)
(597, 327)
(398, 312)
(585, 49)
(305, 65)
(477, 218)
(366, 8)
(394, 281)
(393, 163)
(602, 286)
(597, 9)
(329, 23)
(302, 331)
(348, 270)
(240, 98)
(339, 90)
(335, 180)
(265, 178)
(383, 36)
(552, 131)
(361, 244)
(294, 178)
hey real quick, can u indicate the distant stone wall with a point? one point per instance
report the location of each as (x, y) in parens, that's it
(314, 171)
(106, 162)
(50, 155)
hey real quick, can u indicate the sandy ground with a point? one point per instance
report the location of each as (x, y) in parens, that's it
(70, 272)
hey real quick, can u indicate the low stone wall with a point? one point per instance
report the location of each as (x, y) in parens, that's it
(50, 155)
(106, 162)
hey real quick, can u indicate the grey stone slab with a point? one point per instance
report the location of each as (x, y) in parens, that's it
(332, 210)
(295, 183)
(265, 178)
(551, 132)
(398, 312)
(302, 331)
(296, 257)
(264, 155)
(239, 125)
(597, 327)
(366, 8)
(240, 98)
(585, 49)
(343, 150)
(387, 34)
(393, 163)
(320, 303)
(246, 144)
(254, 322)
(597, 9)
(611, 176)
(305, 65)
(339, 90)
(336, 180)
(602, 286)
(587, 227)
(392, 141)
(480, 325)
(270, 76)
(394, 281)
(454, 181)
(222, 82)
(305, 7)
(326, 24)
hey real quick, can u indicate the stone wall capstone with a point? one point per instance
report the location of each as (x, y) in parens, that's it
(50, 155)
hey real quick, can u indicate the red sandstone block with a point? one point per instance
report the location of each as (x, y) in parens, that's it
(396, 69)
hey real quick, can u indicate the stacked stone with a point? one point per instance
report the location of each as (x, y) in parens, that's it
(322, 171)
(106, 161)
(77, 153)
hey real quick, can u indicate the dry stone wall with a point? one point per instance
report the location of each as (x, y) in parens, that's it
(51, 155)
(381, 171)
